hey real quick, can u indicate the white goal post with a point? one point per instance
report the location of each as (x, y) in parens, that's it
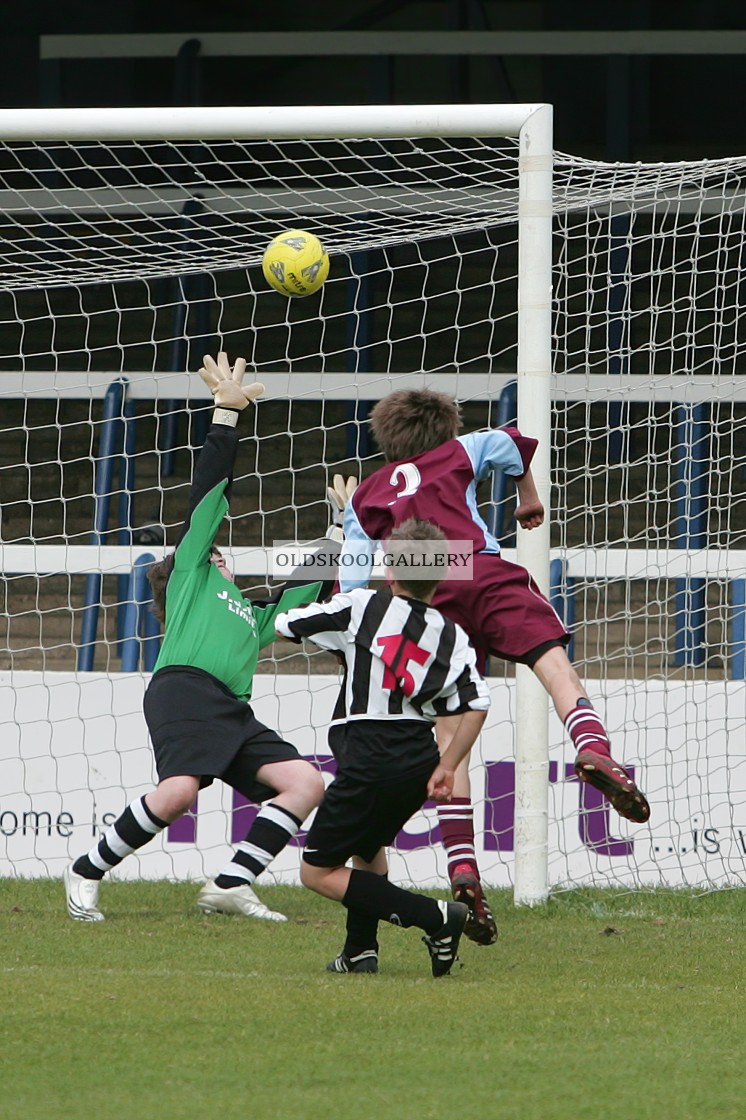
(466, 256)
(532, 125)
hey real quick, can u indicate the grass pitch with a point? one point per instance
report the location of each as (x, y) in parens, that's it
(601, 1004)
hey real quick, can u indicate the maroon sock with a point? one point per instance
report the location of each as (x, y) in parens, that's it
(456, 820)
(586, 730)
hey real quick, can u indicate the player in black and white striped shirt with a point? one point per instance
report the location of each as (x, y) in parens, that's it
(377, 632)
(405, 665)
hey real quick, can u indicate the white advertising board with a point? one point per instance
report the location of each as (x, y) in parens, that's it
(74, 752)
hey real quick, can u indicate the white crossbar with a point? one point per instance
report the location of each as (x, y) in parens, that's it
(595, 388)
(582, 563)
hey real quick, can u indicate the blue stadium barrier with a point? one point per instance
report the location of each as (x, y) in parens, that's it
(111, 451)
(126, 499)
(562, 598)
(137, 633)
(691, 456)
(151, 638)
(738, 629)
(506, 412)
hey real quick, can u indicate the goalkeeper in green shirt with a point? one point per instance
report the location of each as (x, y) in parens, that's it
(196, 705)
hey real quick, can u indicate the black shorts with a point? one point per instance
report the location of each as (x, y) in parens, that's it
(358, 819)
(383, 768)
(383, 750)
(198, 727)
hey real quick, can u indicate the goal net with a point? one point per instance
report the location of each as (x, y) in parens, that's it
(126, 256)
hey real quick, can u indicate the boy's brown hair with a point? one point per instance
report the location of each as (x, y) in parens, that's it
(410, 421)
(158, 576)
(405, 545)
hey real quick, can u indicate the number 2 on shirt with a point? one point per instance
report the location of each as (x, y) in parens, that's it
(410, 476)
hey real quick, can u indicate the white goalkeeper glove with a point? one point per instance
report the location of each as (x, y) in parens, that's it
(225, 385)
(339, 494)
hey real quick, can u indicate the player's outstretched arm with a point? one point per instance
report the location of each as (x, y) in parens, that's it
(440, 786)
(529, 512)
(211, 484)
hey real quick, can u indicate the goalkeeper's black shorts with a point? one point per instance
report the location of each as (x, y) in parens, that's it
(198, 727)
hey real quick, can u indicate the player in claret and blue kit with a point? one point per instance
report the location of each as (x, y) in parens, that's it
(433, 473)
(197, 703)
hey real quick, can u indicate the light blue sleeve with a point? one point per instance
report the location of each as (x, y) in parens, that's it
(491, 451)
(356, 557)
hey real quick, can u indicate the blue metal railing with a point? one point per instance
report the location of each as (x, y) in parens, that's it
(562, 598)
(692, 432)
(112, 448)
(117, 445)
(138, 631)
(692, 429)
(506, 412)
(116, 461)
(126, 501)
(141, 630)
(738, 629)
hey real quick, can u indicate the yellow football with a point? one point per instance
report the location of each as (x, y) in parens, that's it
(295, 263)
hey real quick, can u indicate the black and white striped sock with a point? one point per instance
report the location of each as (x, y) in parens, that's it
(133, 829)
(273, 827)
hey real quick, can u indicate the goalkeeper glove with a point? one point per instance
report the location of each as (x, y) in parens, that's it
(339, 494)
(225, 385)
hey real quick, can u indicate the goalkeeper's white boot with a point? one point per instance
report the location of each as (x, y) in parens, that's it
(235, 900)
(82, 897)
